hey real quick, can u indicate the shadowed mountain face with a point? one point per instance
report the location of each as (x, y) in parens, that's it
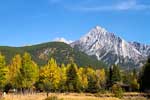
(112, 49)
(63, 53)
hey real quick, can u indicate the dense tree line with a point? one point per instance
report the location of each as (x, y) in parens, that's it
(24, 75)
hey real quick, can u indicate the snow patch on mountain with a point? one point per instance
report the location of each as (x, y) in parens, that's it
(61, 39)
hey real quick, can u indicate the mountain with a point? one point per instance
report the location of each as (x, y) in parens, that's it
(96, 46)
(142, 48)
(111, 49)
(41, 53)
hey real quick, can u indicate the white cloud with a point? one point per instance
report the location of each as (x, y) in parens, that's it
(61, 39)
(129, 4)
(120, 6)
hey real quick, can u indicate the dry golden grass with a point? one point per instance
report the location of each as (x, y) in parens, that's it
(69, 96)
(64, 96)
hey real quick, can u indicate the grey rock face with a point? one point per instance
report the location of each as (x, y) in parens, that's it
(112, 49)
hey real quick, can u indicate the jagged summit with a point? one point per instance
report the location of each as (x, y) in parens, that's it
(109, 48)
(98, 30)
(101, 29)
(94, 33)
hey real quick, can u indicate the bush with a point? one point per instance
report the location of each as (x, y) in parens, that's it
(135, 85)
(52, 98)
(117, 90)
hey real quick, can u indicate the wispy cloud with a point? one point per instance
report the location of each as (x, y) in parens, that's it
(131, 5)
(124, 5)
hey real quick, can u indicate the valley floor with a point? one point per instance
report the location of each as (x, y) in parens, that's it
(70, 96)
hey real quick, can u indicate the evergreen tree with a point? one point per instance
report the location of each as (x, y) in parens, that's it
(145, 77)
(93, 83)
(109, 79)
(114, 75)
(72, 81)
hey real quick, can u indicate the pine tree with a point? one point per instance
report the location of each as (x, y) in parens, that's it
(93, 84)
(72, 81)
(145, 77)
(114, 75)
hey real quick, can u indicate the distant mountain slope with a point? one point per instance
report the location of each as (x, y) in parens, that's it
(110, 48)
(62, 52)
(142, 48)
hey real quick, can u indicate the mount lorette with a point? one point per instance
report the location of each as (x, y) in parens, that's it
(112, 49)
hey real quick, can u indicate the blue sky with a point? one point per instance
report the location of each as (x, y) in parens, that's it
(26, 22)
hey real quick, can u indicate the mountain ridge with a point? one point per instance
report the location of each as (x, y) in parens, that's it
(62, 52)
(111, 49)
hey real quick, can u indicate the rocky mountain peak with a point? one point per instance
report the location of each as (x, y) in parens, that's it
(109, 48)
(100, 29)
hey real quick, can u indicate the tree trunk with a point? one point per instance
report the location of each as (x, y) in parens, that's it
(47, 93)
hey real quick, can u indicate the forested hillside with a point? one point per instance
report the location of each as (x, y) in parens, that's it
(62, 52)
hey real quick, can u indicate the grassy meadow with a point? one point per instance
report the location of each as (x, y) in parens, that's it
(70, 96)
